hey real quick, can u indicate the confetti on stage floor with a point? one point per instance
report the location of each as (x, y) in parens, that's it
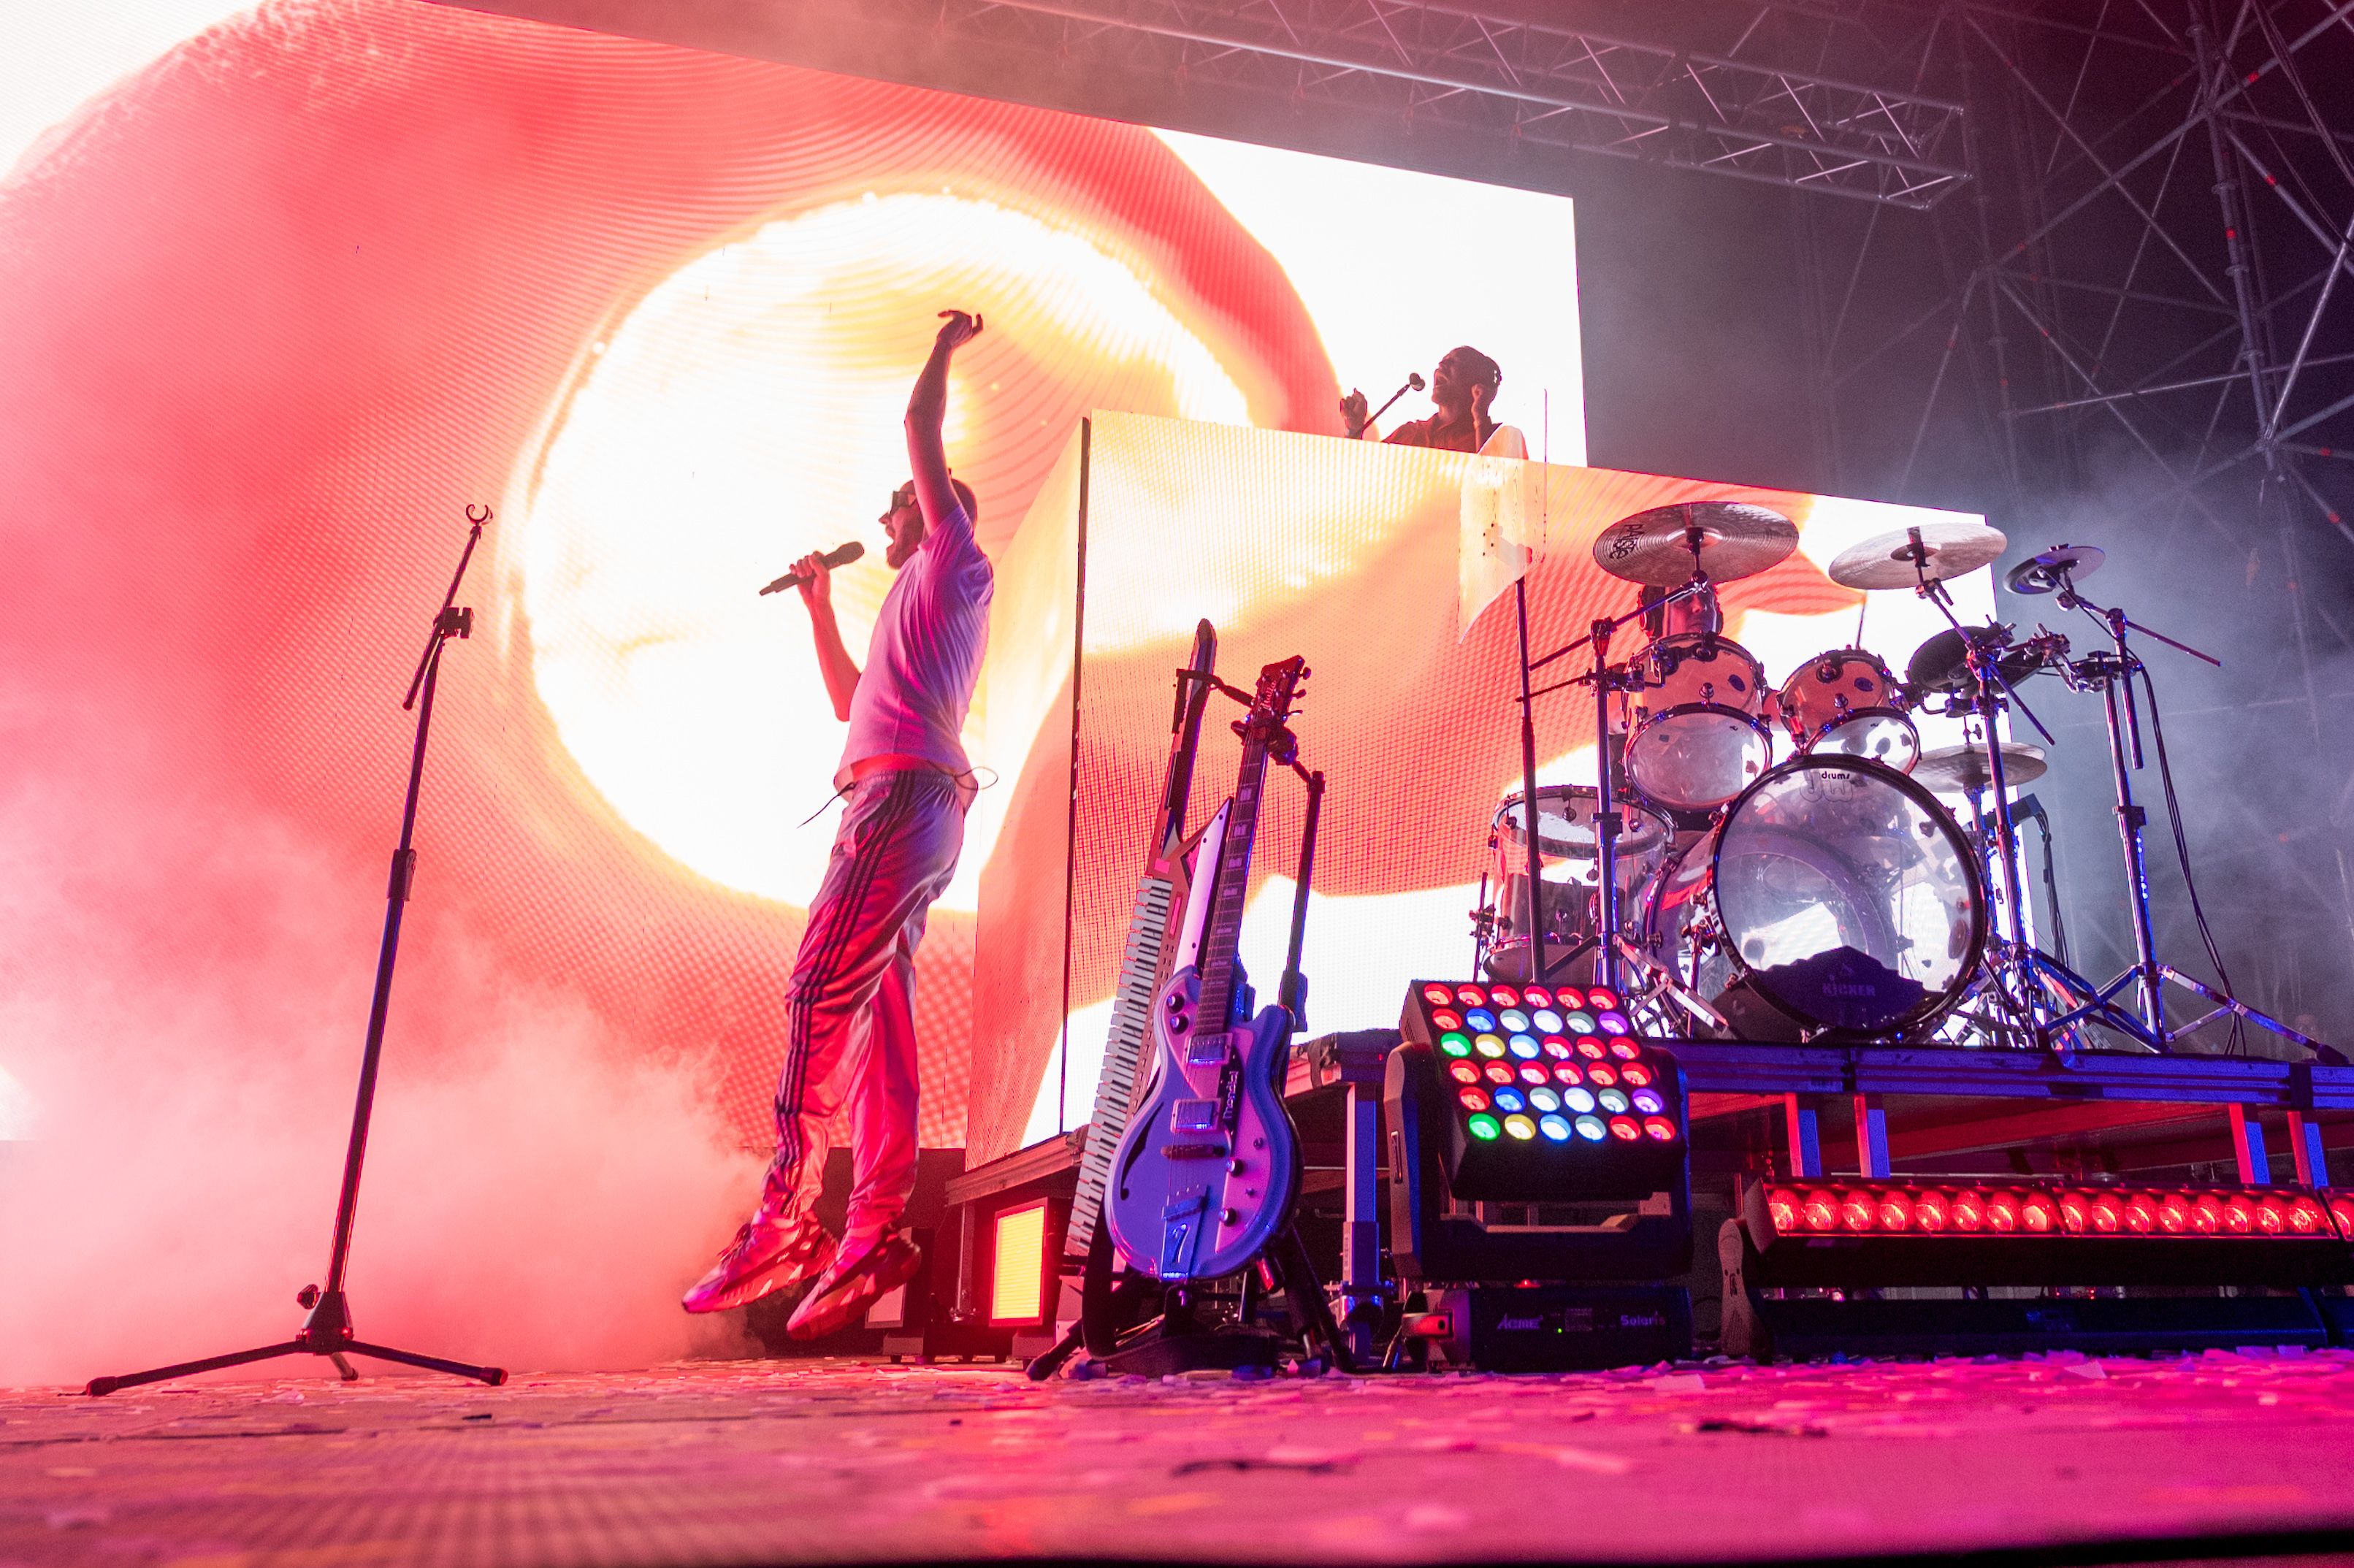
(761, 1462)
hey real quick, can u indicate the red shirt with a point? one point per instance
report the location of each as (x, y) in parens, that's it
(1426, 433)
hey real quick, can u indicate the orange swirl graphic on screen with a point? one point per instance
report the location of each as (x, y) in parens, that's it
(310, 283)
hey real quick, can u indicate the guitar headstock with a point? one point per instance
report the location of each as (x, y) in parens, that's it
(1278, 687)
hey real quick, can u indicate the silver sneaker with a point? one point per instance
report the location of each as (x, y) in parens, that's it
(766, 1255)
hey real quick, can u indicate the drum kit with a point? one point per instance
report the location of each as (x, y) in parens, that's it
(1833, 894)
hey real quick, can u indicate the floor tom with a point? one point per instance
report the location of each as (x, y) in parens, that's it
(1570, 851)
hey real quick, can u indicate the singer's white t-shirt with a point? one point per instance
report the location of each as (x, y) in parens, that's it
(924, 658)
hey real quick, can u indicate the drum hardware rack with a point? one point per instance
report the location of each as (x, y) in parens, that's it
(2020, 976)
(1606, 943)
(2040, 998)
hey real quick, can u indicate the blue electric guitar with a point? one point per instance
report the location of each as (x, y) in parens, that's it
(1208, 1167)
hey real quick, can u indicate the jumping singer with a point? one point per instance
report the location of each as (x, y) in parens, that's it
(849, 1011)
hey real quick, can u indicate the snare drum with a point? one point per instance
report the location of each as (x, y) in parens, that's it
(1846, 703)
(1698, 737)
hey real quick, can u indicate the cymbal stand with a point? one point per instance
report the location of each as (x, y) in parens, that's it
(2023, 976)
(1605, 678)
(2113, 671)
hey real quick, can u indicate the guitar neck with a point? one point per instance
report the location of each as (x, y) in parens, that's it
(1225, 924)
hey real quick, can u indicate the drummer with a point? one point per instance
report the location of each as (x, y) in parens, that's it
(1464, 387)
(1694, 612)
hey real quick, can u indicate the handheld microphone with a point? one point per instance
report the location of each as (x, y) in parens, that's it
(839, 556)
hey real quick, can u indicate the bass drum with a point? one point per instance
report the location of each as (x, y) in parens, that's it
(1836, 892)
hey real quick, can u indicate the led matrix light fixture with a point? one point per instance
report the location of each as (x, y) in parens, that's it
(1539, 1176)
(1549, 1093)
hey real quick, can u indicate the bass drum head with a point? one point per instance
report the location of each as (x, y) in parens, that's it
(1848, 896)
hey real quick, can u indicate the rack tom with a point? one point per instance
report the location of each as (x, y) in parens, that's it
(1699, 736)
(1845, 702)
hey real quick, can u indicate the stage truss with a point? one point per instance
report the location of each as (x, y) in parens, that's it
(2141, 308)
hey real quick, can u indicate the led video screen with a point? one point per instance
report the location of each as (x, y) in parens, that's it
(1351, 555)
(282, 302)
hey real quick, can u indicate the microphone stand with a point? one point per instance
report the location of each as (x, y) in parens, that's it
(2114, 673)
(327, 1329)
(1604, 679)
(1413, 383)
(2022, 976)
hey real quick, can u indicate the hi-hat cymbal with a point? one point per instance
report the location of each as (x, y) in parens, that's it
(1944, 550)
(1958, 769)
(1721, 540)
(2041, 574)
(1942, 664)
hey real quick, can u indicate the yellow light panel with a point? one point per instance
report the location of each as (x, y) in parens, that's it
(1018, 1281)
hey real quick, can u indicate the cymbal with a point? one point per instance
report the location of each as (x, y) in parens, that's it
(1886, 560)
(1957, 770)
(2041, 574)
(1942, 664)
(1720, 540)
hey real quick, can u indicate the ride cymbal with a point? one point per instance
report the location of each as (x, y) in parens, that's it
(1905, 557)
(1959, 769)
(1720, 540)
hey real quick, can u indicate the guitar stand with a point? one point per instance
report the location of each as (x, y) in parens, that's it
(1178, 1342)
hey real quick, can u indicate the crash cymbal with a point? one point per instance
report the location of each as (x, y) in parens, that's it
(1942, 664)
(1886, 560)
(2041, 574)
(1958, 769)
(1722, 540)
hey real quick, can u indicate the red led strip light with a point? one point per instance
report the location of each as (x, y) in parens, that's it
(1879, 1209)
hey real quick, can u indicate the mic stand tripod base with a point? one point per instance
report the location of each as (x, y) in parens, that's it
(325, 1331)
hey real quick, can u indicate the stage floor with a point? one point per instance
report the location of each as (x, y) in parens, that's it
(2219, 1456)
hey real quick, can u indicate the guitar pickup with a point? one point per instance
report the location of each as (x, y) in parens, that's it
(1206, 1051)
(1194, 1115)
(1193, 1151)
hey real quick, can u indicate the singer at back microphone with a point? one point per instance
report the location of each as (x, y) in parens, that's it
(801, 576)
